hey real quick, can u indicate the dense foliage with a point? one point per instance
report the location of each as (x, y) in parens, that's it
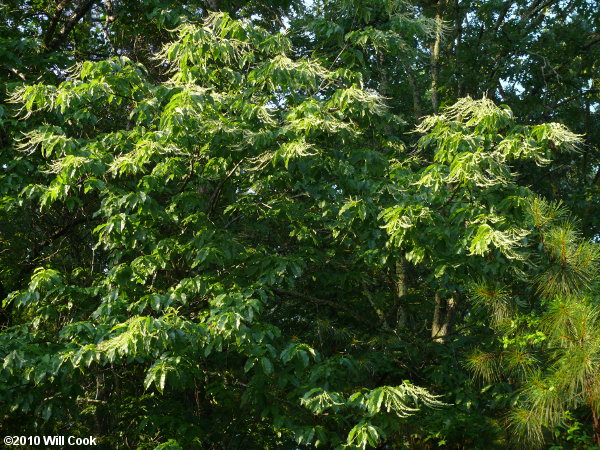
(342, 224)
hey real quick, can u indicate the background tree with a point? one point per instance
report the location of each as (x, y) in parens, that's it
(540, 57)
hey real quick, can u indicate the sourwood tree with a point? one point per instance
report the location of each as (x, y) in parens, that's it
(240, 229)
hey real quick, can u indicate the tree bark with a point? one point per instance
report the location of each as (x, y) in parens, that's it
(49, 35)
(443, 317)
(5, 312)
(401, 291)
(52, 42)
(100, 413)
(435, 58)
(214, 5)
(458, 44)
(596, 427)
(416, 97)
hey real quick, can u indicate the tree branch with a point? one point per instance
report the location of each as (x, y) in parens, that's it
(49, 35)
(321, 301)
(217, 192)
(52, 42)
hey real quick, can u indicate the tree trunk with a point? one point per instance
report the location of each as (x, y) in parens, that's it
(596, 427)
(458, 44)
(435, 58)
(401, 291)
(416, 97)
(443, 318)
(214, 5)
(100, 413)
(5, 312)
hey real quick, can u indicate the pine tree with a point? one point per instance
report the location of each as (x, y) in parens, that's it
(556, 356)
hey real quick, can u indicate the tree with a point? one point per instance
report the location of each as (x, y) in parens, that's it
(540, 57)
(221, 232)
(553, 351)
(200, 206)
